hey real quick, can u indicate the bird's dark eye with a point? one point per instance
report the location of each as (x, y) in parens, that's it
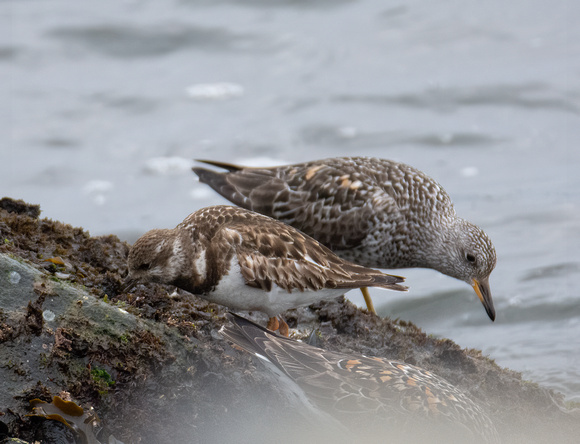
(144, 267)
(470, 257)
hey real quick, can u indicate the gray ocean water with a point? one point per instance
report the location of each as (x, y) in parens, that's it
(103, 106)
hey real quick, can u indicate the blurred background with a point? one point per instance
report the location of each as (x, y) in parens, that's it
(104, 105)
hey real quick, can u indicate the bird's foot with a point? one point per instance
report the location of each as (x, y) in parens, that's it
(278, 325)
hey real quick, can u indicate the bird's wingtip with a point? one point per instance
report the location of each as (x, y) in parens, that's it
(224, 165)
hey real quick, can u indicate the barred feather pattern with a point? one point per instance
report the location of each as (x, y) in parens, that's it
(388, 394)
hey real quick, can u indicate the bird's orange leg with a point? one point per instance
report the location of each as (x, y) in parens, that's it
(273, 324)
(284, 331)
(278, 325)
(368, 300)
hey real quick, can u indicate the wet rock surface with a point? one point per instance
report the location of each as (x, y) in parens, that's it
(153, 366)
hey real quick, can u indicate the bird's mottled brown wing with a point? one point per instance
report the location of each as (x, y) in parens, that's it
(330, 200)
(270, 252)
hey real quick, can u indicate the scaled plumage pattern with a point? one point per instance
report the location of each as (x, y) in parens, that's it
(373, 212)
(371, 395)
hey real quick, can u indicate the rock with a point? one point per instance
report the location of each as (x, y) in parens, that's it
(155, 370)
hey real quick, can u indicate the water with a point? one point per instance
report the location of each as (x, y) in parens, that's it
(105, 104)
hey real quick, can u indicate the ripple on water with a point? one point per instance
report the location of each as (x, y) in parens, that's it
(125, 41)
(551, 271)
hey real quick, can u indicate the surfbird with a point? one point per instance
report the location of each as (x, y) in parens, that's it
(370, 394)
(374, 212)
(247, 261)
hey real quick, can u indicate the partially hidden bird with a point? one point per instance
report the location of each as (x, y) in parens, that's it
(370, 396)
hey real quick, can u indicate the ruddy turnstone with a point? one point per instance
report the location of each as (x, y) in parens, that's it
(373, 212)
(247, 261)
(370, 394)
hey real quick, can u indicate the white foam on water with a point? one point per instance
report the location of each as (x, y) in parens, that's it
(215, 91)
(168, 166)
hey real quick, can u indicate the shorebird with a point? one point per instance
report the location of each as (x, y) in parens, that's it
(369, 394)
(246, 261)
(374, 212)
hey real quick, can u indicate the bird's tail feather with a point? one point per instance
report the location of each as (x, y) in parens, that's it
(226, 166)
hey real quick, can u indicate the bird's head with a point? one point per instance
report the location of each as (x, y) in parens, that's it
(472, 258)
(153, 258)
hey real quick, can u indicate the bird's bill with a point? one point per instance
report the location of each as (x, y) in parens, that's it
(483, 292)
(129, 283)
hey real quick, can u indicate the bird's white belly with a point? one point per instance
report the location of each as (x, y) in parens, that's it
(233, 292)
